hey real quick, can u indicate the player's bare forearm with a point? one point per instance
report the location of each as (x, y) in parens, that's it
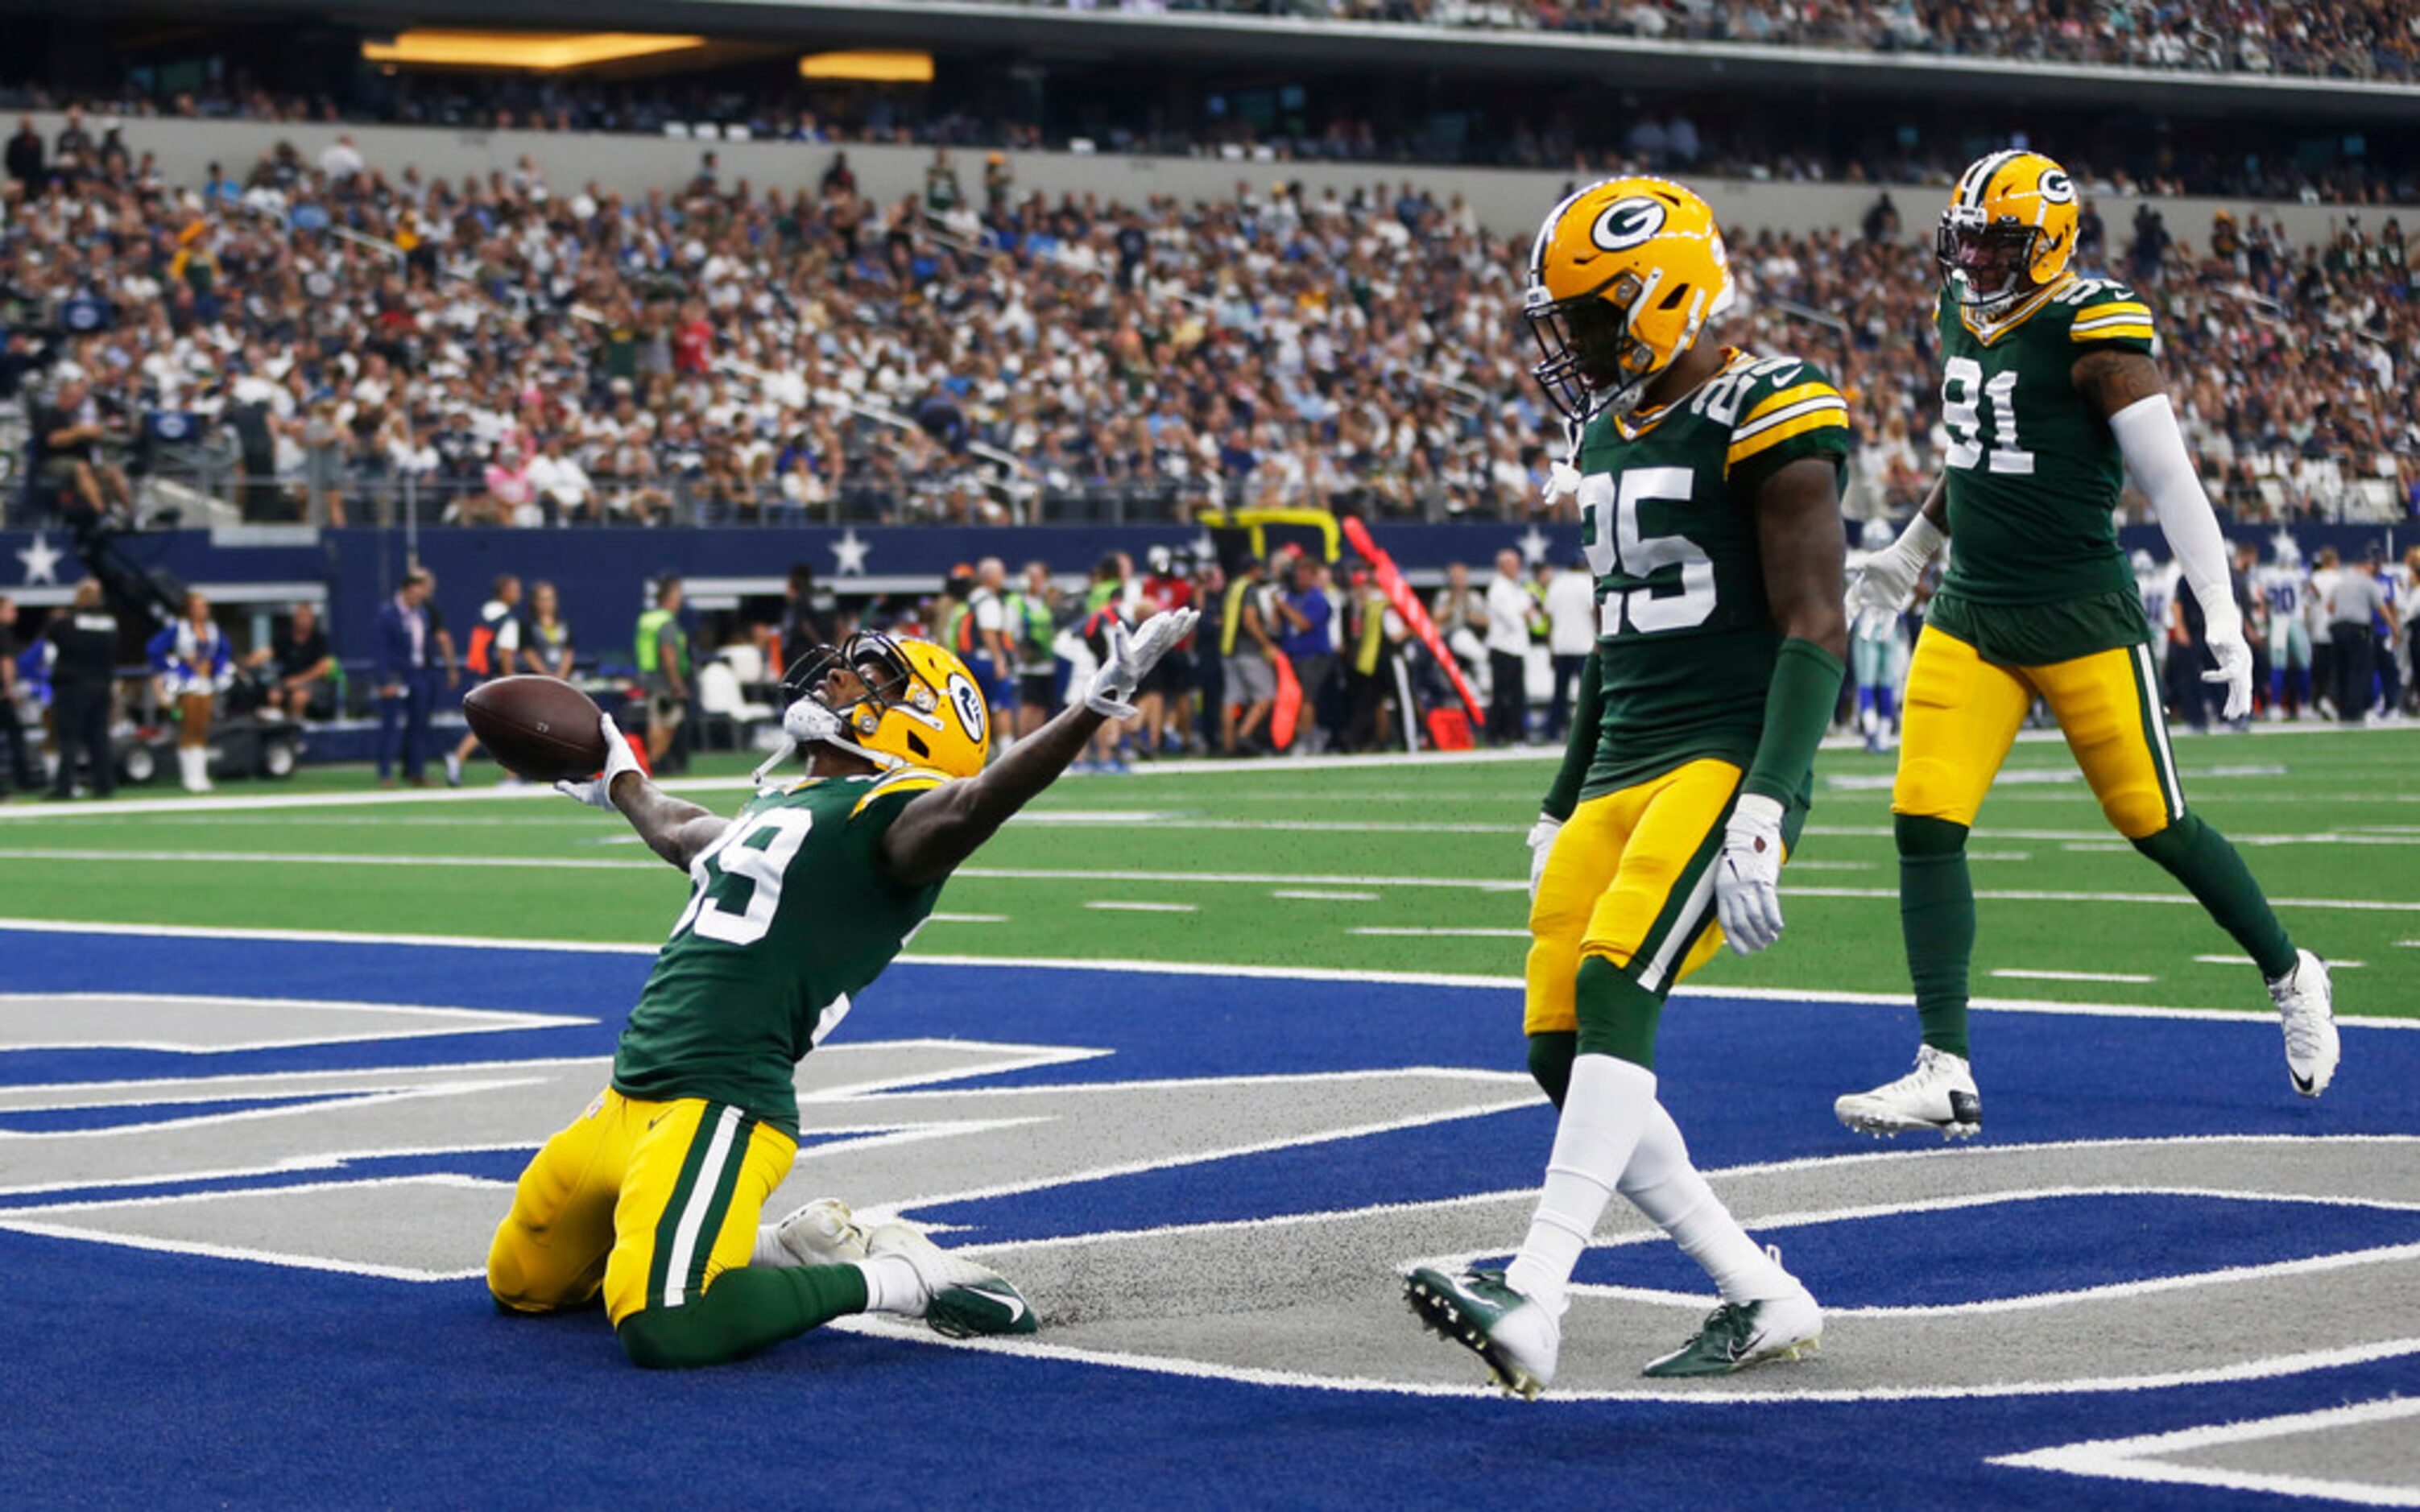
(939, 830)
(2113, 380)
(1805, 554)
(1936, 504)
(674, 828)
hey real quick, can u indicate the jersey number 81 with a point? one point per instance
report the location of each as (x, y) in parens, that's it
(1610, 532)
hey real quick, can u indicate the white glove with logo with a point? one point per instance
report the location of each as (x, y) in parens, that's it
(2224, 632)
(1131, 659)
(1542, 844)
(1747, 875)
(597, 792)
(1889, 581)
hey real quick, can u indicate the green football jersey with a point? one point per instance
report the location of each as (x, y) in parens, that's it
(788, 915)
(2034, 474)
(1686, 634)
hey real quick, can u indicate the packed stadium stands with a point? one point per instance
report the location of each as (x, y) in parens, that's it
(344, 338)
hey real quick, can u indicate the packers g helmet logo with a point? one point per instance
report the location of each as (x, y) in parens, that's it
(1626, 224)
(2056, 187)
(968, 701)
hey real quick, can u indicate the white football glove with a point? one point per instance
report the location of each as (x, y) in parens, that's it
(1889, 581)
(1562, 481)
(2224, 634)
(1747, 876)
(1131, 659)
(1542, 844)
(597, 792)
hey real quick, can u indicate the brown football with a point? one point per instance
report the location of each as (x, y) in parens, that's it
(542, 728)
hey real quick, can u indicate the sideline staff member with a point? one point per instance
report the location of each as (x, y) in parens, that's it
(85, 640)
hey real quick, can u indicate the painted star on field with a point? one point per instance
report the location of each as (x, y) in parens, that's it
(851, 550)
(42, 560)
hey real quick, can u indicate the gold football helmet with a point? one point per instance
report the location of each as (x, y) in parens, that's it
(1623, 277)
(2009, 231)
(900, 702)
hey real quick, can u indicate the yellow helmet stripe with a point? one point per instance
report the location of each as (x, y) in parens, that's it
(1772, 402)
(1825, 418)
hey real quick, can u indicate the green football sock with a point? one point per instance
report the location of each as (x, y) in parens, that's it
(1616, 1015)
(1550, 1062)
(743, 1311)
(1936, 916)
(2200, 858)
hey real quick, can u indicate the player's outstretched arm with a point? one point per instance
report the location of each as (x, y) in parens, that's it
(674, 828)
(939, 830)
(1805, 556)
(2125, 386)
(1889, 579)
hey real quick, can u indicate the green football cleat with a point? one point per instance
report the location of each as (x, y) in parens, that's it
(1518, 1339)
(963, 1298)
(1739, 1335)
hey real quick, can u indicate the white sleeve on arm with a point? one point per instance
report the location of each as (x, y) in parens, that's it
(2155, 454)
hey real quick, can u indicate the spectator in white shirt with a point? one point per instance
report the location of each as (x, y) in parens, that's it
(1571, 633)
(563, 485)
(1509, 609)
(341, 161)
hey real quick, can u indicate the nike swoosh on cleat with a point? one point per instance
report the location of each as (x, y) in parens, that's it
(2303, 1083)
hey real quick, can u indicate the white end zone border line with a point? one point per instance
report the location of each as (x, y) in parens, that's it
(1183, 969)
(2139, 1460)
(438, 1022)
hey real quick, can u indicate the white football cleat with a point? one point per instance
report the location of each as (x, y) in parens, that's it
(824, 1232)
(1516, 1337)
(962, 1297)
(1738, 1334)
(1938, 1094)
(2306, 1006)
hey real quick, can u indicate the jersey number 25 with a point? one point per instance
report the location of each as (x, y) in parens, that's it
(1610, 531)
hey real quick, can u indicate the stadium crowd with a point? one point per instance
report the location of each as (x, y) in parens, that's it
(1348, 125)
(349, 337)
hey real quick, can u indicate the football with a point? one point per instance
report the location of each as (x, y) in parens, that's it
(540, 728)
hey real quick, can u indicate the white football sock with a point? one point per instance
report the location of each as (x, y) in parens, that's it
(1665, 1186)
(891, 1285)
(1604, 1111)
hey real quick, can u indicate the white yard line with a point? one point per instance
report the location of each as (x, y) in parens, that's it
(2156, 899)
(1125, 905)
(2333, 964)
(2019, 974)
(1441, 932)
(1319, 896)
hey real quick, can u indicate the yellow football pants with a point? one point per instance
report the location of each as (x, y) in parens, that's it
(1962, 714)
(1631, 879)
(650, 1201)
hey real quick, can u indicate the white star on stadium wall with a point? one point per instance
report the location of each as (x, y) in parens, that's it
(42, 560)
(1534, 546)
(851, 551)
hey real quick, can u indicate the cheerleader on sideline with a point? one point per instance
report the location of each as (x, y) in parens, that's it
(189, 664)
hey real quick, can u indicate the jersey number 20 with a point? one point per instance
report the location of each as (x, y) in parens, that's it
(1609, 504)
(753, 855)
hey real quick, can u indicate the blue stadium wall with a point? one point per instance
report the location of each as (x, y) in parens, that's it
(603, 574)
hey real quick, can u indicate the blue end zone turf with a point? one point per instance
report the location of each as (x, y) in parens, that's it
(140, 1377)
